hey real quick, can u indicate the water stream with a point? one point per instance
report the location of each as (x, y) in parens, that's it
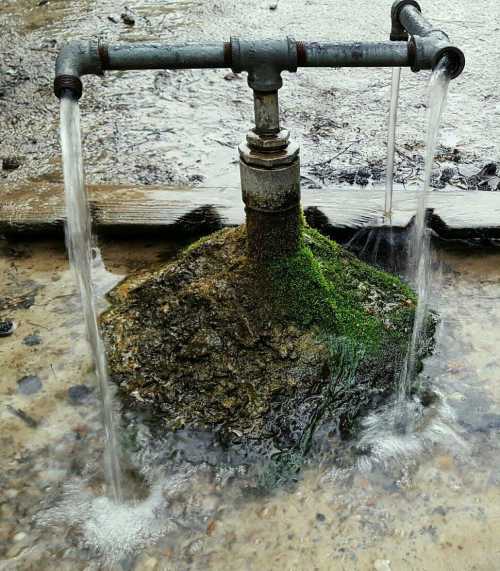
(79, 245)
(419, 250)
(391, 141)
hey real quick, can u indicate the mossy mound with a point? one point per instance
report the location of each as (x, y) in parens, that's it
(213, 341)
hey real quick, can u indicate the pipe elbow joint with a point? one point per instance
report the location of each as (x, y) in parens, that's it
(75, 60)
(398, 31)
(427, 51)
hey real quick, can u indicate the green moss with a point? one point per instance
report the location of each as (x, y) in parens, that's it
(322, 284)
(203, 240)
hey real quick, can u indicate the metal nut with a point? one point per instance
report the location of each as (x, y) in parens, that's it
(270, 142)
(268, 159)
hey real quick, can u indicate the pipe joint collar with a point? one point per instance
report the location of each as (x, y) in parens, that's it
(264, 61)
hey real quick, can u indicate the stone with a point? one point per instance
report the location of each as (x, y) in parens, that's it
(32, 340)
(29, 385)
(79, 394)
(320, 517)
(10, 163)
(128, 19)
(7, 327)
(259, 354)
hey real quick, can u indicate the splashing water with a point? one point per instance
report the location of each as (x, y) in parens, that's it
(420, 251)
(78, 242)
(391, 141)
(114, 531)
(423, 428)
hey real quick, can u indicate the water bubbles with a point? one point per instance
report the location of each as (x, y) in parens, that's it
(400, 433)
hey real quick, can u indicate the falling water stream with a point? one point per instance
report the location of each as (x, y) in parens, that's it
(419, 250)
(404, 429)
(79, 245)
(391, 141)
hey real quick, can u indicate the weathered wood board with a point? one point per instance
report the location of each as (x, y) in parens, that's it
(133, 210)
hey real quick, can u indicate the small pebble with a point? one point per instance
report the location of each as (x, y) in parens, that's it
(320, 517)
(32, 340)
(78, 394)
(128, 19)
(7, 327)
(10, 164)
(29, 385)
(382, 565)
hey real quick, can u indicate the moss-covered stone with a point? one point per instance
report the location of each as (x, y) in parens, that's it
(257, 352)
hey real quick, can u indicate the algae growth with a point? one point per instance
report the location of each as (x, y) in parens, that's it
(215, 342)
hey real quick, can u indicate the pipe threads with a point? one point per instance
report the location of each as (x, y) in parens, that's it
(70, 83)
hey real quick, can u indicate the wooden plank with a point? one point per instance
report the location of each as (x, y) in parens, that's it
(123, 209)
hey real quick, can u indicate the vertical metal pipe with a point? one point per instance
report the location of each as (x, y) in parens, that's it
(267, 114)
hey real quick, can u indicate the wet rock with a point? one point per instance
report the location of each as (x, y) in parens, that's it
(128, 19)
(260, 356)
(113, 19)
(7, 327)
(32, 340)
(79, 394)
(10, 163)
(29, 385)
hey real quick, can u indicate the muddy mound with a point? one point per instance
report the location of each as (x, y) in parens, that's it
(258, 353)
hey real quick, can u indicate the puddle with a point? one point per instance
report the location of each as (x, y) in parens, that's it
(436, 506)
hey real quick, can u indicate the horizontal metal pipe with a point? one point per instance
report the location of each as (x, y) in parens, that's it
(362, 54)
(161, 56)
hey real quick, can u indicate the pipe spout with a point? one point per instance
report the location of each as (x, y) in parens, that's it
(427, 45)
(75, 60)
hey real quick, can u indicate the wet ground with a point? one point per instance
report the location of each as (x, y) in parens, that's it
(184, 126)
(431, 507)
